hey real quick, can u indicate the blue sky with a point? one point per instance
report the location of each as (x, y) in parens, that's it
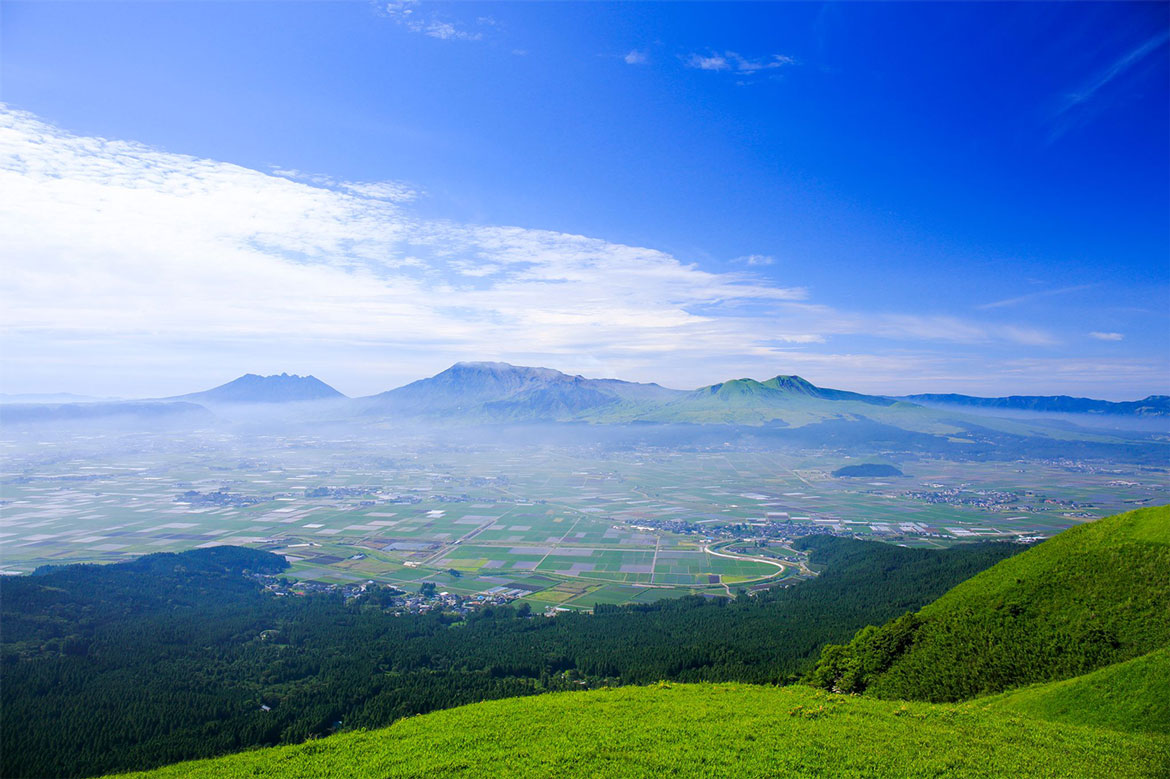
(888, 198)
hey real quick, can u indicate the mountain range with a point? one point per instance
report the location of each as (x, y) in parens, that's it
(496, 392)
(1153, 405)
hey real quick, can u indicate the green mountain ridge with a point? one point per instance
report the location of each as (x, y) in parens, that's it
(1093, 595)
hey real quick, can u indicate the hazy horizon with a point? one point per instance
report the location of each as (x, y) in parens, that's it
(66, 395)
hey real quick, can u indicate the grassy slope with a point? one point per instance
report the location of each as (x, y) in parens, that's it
(1104, 585)
(1091, 596)
(705, 730)
(1133, 696)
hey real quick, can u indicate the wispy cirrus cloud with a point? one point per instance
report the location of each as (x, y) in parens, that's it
(1100, 336)
(1072, 107)
(635, 57)
(119, 255)
(1019, 299)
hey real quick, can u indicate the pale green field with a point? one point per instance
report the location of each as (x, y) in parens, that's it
(527, 517)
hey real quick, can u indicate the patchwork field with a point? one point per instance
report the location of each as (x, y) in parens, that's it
(565, 526)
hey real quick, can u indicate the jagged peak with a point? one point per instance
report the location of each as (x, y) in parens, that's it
(252, 387)
(276, 376)
(792, 383)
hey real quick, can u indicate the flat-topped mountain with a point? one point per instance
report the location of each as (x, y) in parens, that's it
(251, 388)
(1152, 406)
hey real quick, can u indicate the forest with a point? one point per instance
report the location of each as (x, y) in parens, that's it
(177, 656)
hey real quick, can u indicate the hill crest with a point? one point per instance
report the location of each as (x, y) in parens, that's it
(1090, 596)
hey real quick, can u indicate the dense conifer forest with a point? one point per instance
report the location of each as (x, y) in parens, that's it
(171, 657)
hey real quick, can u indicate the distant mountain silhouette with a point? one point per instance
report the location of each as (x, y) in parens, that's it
(502, 391)
(786, 400)
(1154, 405)
(495, 391)
(783, 389)
(251, 388)
(154, 412)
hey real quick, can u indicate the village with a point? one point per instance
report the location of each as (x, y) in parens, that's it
(392, 600)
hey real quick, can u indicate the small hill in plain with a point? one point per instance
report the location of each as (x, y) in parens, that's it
(1091, 596)
(704, 730)
(867, 471)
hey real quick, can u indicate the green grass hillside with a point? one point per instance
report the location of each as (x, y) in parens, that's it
(705, 730)
(1133, 696)
(1093, 599)
(1091, 596)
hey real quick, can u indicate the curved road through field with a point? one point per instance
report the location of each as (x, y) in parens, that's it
(767, 561)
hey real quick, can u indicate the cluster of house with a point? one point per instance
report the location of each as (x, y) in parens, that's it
(393, 600)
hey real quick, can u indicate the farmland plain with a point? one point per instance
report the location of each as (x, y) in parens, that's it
(566, 525)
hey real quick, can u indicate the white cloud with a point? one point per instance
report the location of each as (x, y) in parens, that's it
(709, 62)
(396, 191)
(407, 14)
(1107, 336)
(755, 259)
(122, 258)
(731, 61)
(635, 57)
